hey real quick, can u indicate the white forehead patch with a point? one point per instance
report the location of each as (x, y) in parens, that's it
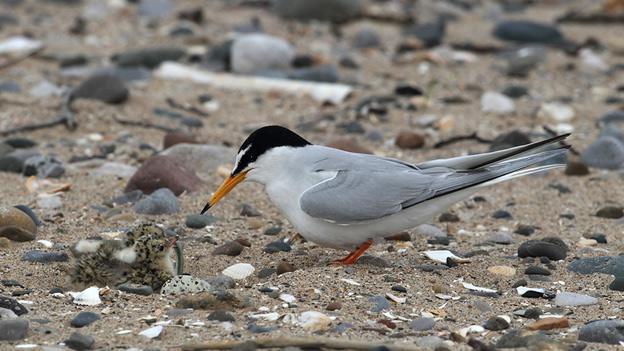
(239, 156)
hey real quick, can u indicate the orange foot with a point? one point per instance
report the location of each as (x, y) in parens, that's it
(353, 256)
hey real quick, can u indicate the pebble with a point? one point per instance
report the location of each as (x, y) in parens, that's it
(379, 303)
(503, 238)
(511, 139)
(496, 323)
(333, 306)
(103, 87)
(504, 271)
(553, 248)
(230, 248)
(524, 31)
(515, 91)
(266, 272)
(13, 329)
(11, 304)
(20, 142)
(521, 338)
(239, 271)
(221, 282)
(17, 225)
(221, 316)
(277, 246)
(430, 34)
(399, 288)
(494, 102)
(272, 231)
(256, 52)
(349, 145)
(314, 321)
(574, 299)
(161, 201)
(549, 323)
(366, 38)
(155, 8)
(605, 153)
(422, 324)
(209, 301)
(6, 314)
(603, 331)
(43, 167)
(249, 211)
(556, 112)
(49, 202)
(137, 289)
(409, 140)
(184, 284)
(502, 214)
(79, 341)
(613, 265)
(174, 138)
(521, 61)
(448, 217)
(524, 229)
(84, 318)
(429, 230)
(373, 261)
(611, 212)
(537, 270)
(284, 267)
(163, 172)
(599, 237)
(44, 257)
(149, 57)
(338, 11)
(199, 221)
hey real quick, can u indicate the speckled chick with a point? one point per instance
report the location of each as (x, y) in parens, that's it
(153, 265)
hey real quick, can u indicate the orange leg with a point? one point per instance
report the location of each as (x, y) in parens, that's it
(353, 256)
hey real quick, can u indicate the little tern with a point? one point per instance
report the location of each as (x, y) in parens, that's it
(347, 200)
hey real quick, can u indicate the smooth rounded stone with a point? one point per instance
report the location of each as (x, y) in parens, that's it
(556, 111)
(266, 272)
(20, 143)
(11, 304)
(521, 338)
(49, 202)
(448, 218)
(429, 230)
(163, 172)
(573, 299)
(430, 342)
(221, 281)
(524, 229)
(84, 318)
(277, 246)
(272, 231)
(379, 303)
(7, 314)
(494, 102)
(43, 167)
(611, 212)
(174, 138)
(80, 342)
(230, 248)
(184, 284)
(515, 91)
(17, 225)
(604, 153)
(149, 57)
(599, 237)
(603, 331)
(617, 284)
(536, 270)
(552, 249)
(338, 11)
(136, 289)
(199, 221)
(422, 324)
(44, 257)
(409, 140)
(221, 316)
(349, 145)
(200, 158)
(511, 139)
(284, 267)
(576, 168)
(502, 214)
(430, 34)
(613, 265)
(503, 238)
(373, 261)
(524, 31)
(496, 323)
(318, 73)
(161, 201)
(14, 161)
(10, 87)
(255, 52)
(106, 88)
(13, 329)
(155, 8)
(249, 211)
(366, 38)
(521, 61)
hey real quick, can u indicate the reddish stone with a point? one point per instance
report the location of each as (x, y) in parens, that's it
(163, 172)
(409, 140)
(174, 138)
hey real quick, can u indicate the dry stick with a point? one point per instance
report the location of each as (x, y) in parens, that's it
(302, 342)
(65, 116)
(459, 138)
(143, 124)
(562, 142)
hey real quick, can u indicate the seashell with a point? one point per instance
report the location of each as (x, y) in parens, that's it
(152, 332)
(184, 284)
(473, 329)
(442, 255)
(314, 321)
(478, 288)
(523, 290)
(87, 297)
(395, 298)
(287, 298)
(46, 243)
(239, 271)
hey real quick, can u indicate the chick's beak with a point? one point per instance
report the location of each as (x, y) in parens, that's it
(171, 242)
(228, 184)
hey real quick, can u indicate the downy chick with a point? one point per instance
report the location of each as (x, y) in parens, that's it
(153, 265)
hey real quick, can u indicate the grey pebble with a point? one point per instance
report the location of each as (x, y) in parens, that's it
(379, 303)
(199, 221)
(13, 329)
(277, 246)
(161, 201)
(44, 257)
(137, 289)
(422, 324)
(79, 341)
(84, 318)
(603, 331)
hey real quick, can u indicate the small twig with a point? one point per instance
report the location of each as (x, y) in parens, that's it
(143, 124)
(459, 138)
(185, 107)
(65, 116)
(552, 132)
(302, 342)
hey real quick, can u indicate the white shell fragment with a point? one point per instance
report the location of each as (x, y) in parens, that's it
(239, 271)
(478, 288)
(16, 45)
(184, 284)
(350, 281)
(287, 298)
(395, 298)
(473, 329)
(523, 290)
(314, 321)
(46, 243)
(152, 332)
(442, 255)
(273, 316)
(87, 297)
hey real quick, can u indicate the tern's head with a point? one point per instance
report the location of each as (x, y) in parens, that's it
(253, 148)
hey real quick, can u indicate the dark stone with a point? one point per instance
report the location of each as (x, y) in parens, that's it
(515, 91)
(249, 211)
(511, 139)
(199, 221)
(11, 283)
(366, 38)
(73, 60)
(195, 15)
(83, 319)
(524, 229)
(13, 329)
(537, 270)
(599, 237)
(431, 34)
(256, 329)
(137, 289)
(399, 288)
(163, 172)
(11, 304)
(517, 338)
(161, 201)
(523, 31)
(409, 140)
(273, 230)
(439, 240)
(318, 73)
(9, 87)
(27, 210)
(408, 90)
(422, 324)
(127, 198)
(221, 316)
(617, 284)
(277, 246)
(337, 11)
(107, 88)
(448, 217)
(379, 303)
(353, 127)
(613, 265)
(496, 323)
(150, 58)
(43, 167)
(266, 272)
(284, 267)
(575, 168)
(44, 257)
(611, 212)
(79, 341)
(603, 331)
(230, 248)
(11, 164)
(20, 143)
(553, 248)
(502, 214)
(373, 261)
(533, 313)
(521, 282)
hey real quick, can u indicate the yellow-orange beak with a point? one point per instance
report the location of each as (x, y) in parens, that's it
(228, 184)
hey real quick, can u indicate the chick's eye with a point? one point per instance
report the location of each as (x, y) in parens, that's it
(161, 247)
